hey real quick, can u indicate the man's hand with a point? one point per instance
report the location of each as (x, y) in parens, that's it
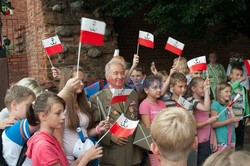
(119, 140)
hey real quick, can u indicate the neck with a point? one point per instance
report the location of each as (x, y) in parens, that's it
(175, 97)
(173, 163)
(196, 96)
(12, 115)
(151, 99)
(47, 129)
(213, 63)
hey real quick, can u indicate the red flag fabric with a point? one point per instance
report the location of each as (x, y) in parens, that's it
(92, 31)
(247, 64)
(235, 98)
(174, 46)
(120, 95)
(52, 45)
(146, 39)
(123, 127)
(198, 63)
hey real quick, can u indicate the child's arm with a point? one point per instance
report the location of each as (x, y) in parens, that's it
(153, 68)
(146, 120)
(215, 143)
(102, 127)
(222, 123)
(69, 89)
(236, 124)
(165, 86)
(207, 101)
(135, 63)
(207, 122)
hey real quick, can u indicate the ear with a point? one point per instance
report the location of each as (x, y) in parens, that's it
(146, 90)
(155, 149)
(192, 88)
(13, 105)
(42, 116)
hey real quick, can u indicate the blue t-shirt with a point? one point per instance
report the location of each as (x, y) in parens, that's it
(222, 132)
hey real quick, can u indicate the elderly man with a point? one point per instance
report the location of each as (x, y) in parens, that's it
(116, 150)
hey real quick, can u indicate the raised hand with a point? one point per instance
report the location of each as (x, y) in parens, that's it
(56, 73)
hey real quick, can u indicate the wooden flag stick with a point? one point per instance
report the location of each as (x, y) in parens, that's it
(208, 78)
(78, 59)
(102, 137)
(50, 61)
(137, 50)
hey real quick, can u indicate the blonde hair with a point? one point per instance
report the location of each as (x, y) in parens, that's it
(32, 84)
(17, 93)
(173, 130)
(228, 157)
(182, 65)
(177, 77)
(221, 86)
(73, 118)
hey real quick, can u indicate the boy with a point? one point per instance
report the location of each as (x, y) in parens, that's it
(241, 106)
(178, 85)
(173, 133)
(18, 99)
(193, 74)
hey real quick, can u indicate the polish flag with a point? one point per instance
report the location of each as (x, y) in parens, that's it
(92, 31)
(174, 46)
(120, 95)
(123, 127)
(146, 39)
(198, 63)
(183, 103)
(235, 98)
(247, 64)
(52, 45)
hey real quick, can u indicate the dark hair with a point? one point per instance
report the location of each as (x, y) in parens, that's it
(236, 68)
(140, 69)
(193, 83)
(43, 103)
(149, 80)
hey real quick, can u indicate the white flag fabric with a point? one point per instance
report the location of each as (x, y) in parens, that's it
(184, 103)
(52, 45)
(198, 63)
(174, 46)
(146, 39)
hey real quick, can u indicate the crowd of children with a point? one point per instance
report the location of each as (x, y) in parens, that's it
(45, 128)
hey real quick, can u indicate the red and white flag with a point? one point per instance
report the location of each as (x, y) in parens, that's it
(174, 46)
(235, 98)
(183, 103)
(198, 63)
(92, 31)
(247, 64)
(123, 127)
(120, 95)
(52, 45)
(146, 39)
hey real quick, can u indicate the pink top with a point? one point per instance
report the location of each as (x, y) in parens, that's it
(151, 109)
(44, 149)
(204, 132)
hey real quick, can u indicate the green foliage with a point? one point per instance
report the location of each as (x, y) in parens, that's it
(190, 18)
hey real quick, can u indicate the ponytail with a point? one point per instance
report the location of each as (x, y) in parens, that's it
(31, 116)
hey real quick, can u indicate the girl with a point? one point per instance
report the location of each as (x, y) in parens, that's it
(224, 127)
(197, 90)
(151, 106)
(77, 115)
(43, 148)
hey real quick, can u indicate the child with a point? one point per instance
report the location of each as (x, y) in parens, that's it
(151, 106)
(224, 126)
(17, 100)
(78, 114)
(197, 73)
(43, 147)
(181, 66)
(241, 106)
(197, 90)
(173, 133)
(178, 84)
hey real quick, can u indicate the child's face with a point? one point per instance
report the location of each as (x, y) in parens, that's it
(179, 89)
(21, 108)
(196, 73)
(236, 74)
(55, 118)
(81, 78)
(199, 89)
(137, 77)
(164, 78)
(154, 89)
(225, 94)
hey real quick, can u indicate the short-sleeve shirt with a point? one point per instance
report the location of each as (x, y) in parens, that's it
(13, 142)
(44, 149)
(201, 116)
(151, 109)
(222, 132)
